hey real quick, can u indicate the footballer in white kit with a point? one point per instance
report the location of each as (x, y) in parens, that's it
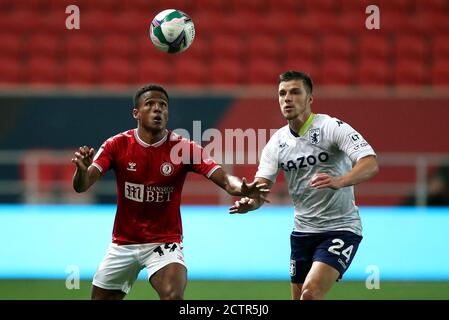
(322, 158)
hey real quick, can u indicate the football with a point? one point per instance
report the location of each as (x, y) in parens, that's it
(172, 31)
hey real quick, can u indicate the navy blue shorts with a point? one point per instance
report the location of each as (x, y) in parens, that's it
(335, 248)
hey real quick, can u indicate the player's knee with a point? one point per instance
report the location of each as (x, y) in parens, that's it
(171, 293)
(311, 293)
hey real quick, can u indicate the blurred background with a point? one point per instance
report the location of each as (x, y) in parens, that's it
(60, 89)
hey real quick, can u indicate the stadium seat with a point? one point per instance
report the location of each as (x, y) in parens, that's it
(96, 22)
(225, 46)
(431, 6)
(43, 71)
(226, 72)
(373, 47)
(330, 6)
(337, 47)
(410, 73)
(372, 72)
(115, 71)
(348, 24)
(80, 46)
(314, 23)
(150, 72)
(12, 71)
(264, 47)
(262, 72)
(399, 7)
(208, 24)
(253, 6)
(309, 66)
(116, 46)
(20, 22)
(300, 48)
(337, 72)
(440, 47)
(80, 71)
(132, 24)
(440, 72)
(411, 47)
(11, 46)
(191, 72)
(199, 50)
(44, 45)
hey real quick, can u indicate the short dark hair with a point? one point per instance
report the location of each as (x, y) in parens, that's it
(145, 88)
(297, 75)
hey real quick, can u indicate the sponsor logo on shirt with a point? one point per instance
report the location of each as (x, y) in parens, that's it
(292, 268)
(142, 193)
(314, 136)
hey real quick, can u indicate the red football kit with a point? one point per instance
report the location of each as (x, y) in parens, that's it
(149, 181)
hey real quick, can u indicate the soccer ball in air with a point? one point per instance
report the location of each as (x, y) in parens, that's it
(172, 31)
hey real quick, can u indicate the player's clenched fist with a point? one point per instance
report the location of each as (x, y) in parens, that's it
(83, 157)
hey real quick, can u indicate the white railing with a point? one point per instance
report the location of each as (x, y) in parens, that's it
(32, 187)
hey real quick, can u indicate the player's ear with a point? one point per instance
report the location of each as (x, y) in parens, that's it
(310, 98)
(136, 114)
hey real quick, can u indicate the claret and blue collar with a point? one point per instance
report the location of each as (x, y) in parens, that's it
(304, 127)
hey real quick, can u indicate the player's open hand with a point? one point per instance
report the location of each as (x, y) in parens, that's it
(83, 158)
(255, 190)
(324, 180)
(243, 205)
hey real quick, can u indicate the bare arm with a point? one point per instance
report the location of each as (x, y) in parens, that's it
(86, 174)
(236, 187)
(364, 169)
(249, 204)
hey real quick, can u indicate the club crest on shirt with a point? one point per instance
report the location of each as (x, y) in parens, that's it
(166, 168)
(314, 136)
(131, 166)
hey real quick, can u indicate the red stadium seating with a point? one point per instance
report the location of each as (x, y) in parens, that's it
(80, 71)
(116, 71)
(372, 72)
(330, 6)
(191, 72)
(374, 47)
(44, 45)
(440, 47)
(43, 71)
(253, 6)
(337, 72)
(263, 46)
(225, 47)
(432, 6)
(10, 46)
(149, 71)
(410, 73)
(411, 47)
(12, 71)
(440, 72)
(300, 48)
(262, 72)
(117, 46)
(80, 46)
(226, 72)
(337, 47)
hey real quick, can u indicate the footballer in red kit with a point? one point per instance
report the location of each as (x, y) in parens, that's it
(151, 164)
(149, 185)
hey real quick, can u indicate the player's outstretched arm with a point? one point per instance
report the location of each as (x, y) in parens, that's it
(246, 204)
(85, 174)
(363, 170)
(236, 187)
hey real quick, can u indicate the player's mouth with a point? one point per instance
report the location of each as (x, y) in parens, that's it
(157, 119)
(288, 108)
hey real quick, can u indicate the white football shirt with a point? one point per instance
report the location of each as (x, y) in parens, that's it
(326, 145)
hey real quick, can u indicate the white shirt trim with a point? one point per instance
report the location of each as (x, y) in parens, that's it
(146, 145)
(96, 165)
(213, 170)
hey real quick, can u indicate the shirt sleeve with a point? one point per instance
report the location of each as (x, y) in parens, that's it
(269, 164)
(350, 141)
(201, 162)
(104, 157)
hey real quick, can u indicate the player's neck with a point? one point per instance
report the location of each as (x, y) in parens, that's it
(151, 137)
(297, 123)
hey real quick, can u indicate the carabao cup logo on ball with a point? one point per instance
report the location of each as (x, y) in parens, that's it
(172, 31)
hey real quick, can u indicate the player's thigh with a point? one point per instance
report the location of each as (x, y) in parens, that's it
(337, 249)
(118, 270)
(301, 257)
(166, 268)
